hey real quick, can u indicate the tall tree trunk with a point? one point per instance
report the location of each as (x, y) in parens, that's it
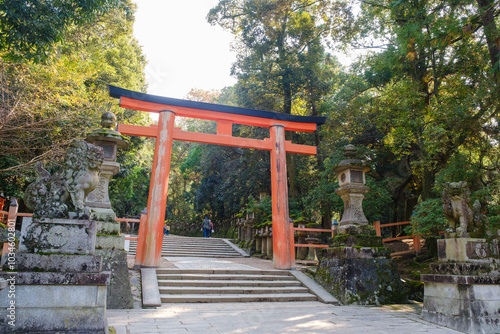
(428, 178)
(327, 218)
(287, 92)
(486, 10)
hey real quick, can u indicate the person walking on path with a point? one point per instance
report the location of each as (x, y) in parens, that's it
(211, 229)
(206, 227)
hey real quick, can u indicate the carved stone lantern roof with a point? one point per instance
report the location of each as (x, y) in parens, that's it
(108, 138)
(351, 171)
(351, 162)
(107, 132)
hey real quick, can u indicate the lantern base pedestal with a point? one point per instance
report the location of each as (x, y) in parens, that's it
(463, 290)
(359, 270)
(355, 229)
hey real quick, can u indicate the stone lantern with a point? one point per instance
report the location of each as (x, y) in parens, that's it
(110, 243)
(110, 141)
(352, 190)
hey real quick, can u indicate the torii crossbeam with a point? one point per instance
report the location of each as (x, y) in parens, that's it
(149, 248)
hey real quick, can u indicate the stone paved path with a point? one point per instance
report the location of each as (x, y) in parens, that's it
(267, 317)
(296, 317)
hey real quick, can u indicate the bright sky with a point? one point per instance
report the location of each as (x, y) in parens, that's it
(183, 50)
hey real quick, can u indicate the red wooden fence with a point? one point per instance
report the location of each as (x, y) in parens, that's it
(310, 230)
(417, 247)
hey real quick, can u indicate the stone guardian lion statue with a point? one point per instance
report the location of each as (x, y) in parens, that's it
(463, 218)
(55, 196)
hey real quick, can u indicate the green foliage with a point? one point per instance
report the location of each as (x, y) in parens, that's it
(47, 105)
(30, 29)
(129, 191)
(428, 218)
(378, 202)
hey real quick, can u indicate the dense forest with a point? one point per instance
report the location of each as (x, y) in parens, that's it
(421, 105)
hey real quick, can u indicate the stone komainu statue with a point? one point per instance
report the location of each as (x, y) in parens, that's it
(54, 196)
(463, 218)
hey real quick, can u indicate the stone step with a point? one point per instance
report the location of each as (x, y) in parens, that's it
(205, 277)
(206, 241)
(197, 246)
(198, 249)
(186, 246)
(231, 298)
(175, 246)
(206, 250)
(211, 290)
(220, 283)
(213, 255)
(225, 271)
(189, 248)
(199, 241)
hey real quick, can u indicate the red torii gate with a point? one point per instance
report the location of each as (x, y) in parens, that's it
(150, 243)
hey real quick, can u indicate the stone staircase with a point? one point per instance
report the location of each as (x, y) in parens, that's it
(230, 285)
(199, 279)
(177, 246)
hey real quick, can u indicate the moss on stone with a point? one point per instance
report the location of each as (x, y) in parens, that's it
(357, 240)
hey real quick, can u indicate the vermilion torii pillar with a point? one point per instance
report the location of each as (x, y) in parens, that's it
(225, 116)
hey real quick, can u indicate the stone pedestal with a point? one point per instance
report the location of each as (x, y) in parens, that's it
(119, 292)
(353, 220)
(52, 235)
(269, 248)
(48, 302)
(240, 231)
(312, 251)
(265, 235)
(358, 270)
(258, 242)
(55, 283)
(111, 246)
(248, 232)
(301, 251)
(464, 290)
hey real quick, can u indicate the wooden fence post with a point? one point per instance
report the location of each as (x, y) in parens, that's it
(416, 243)
(376, 225)
(11, 223)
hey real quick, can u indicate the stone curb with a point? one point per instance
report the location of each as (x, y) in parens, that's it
(239, 250)
(150, 290)
(318, 290)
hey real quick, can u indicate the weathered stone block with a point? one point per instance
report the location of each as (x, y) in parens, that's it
(42, 302)
(119, 294)
(359, 240)
(110, 242)
(56, 263)
(360, 280)
(54, 309)
(466, 268)
(100, 214)
(468, 305)
(41, 296)
(467, 250)
(47, 278)
(110, 228)
(358, 252)
(67, 236)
